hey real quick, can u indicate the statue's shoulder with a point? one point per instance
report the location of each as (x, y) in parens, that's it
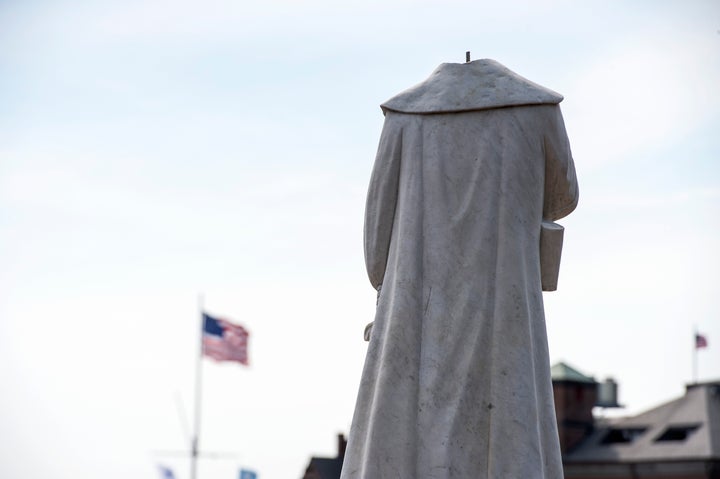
(478, 85)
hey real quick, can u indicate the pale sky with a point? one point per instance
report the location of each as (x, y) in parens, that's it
(151, 151)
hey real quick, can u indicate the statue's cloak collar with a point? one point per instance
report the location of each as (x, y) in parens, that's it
(477, 85)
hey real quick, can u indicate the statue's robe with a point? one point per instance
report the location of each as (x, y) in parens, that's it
(456, 382)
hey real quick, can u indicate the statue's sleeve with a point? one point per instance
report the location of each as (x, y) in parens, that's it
(382, 200)
(561, 188)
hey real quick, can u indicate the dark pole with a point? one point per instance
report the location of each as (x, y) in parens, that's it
(695, 356)
(195, 446)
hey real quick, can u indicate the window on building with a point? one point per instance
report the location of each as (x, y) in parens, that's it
(622, 435)
(677, 433)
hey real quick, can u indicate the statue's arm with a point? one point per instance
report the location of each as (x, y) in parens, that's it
(560, 198)
(561, 188)
(382, 201)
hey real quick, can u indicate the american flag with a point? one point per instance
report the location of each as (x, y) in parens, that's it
(224, 341)
(700, 341)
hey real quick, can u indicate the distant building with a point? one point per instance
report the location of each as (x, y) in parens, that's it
(676, 440)
(575, 397)
(327, 467)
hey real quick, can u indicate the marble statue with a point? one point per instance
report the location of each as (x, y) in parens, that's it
(456, 383)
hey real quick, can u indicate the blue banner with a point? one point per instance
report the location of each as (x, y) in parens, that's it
(247, 474)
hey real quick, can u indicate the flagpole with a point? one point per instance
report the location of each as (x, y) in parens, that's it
(695, 354)
(195, 446)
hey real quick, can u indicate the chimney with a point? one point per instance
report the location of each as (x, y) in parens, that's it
(575, 396)
(341, 446)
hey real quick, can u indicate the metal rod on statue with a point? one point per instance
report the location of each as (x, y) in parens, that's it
(195, 446)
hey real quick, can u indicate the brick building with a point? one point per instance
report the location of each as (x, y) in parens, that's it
(679, 439)
(327, 467)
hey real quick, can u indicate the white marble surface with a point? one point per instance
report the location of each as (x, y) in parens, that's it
(456, 382)
(477, 85)
(551, 241)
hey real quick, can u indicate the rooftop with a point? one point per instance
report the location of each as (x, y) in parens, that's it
(687, 428)
(563, 372)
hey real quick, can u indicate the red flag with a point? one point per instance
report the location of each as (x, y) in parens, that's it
(700, 341)
(224, 341)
